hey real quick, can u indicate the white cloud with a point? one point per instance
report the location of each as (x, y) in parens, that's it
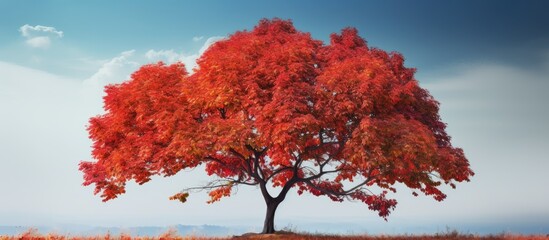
(495, 101)
(170, 56)
(39, 42)
(39, 36)
(116, 70)
(119, 68)
(494, 88)
(210, 41)
(30, 31)
(198, 38)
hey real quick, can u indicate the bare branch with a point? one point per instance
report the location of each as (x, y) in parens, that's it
(211, 185)
(277, 172)
(220, 183)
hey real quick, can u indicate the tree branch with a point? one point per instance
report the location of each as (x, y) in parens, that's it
(220, 183)
(247, 168)
(277, 172)
(211, 185)
(237, 153)
(309, 182)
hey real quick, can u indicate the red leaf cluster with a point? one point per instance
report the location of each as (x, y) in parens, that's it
(182, 197)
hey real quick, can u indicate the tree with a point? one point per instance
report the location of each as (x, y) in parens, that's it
(273, 106)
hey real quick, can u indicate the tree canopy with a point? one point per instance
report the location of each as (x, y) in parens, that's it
(273, 106)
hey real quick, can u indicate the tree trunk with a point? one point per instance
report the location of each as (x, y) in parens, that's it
(272, 204)
(268, 225)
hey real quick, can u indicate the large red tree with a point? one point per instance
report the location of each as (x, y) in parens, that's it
(273, 106)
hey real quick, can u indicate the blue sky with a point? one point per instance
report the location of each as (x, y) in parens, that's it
(487, 62)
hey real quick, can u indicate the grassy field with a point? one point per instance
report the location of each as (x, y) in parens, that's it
(33, 235)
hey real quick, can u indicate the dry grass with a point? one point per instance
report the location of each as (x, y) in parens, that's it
(32, 234)
(444, 236)
(454, 235)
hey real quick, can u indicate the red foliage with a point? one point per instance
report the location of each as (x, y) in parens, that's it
(273, 105)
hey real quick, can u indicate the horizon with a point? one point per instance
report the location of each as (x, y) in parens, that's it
(311, 228)
(485, 62)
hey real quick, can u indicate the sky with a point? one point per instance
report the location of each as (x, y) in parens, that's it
(486, 62)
